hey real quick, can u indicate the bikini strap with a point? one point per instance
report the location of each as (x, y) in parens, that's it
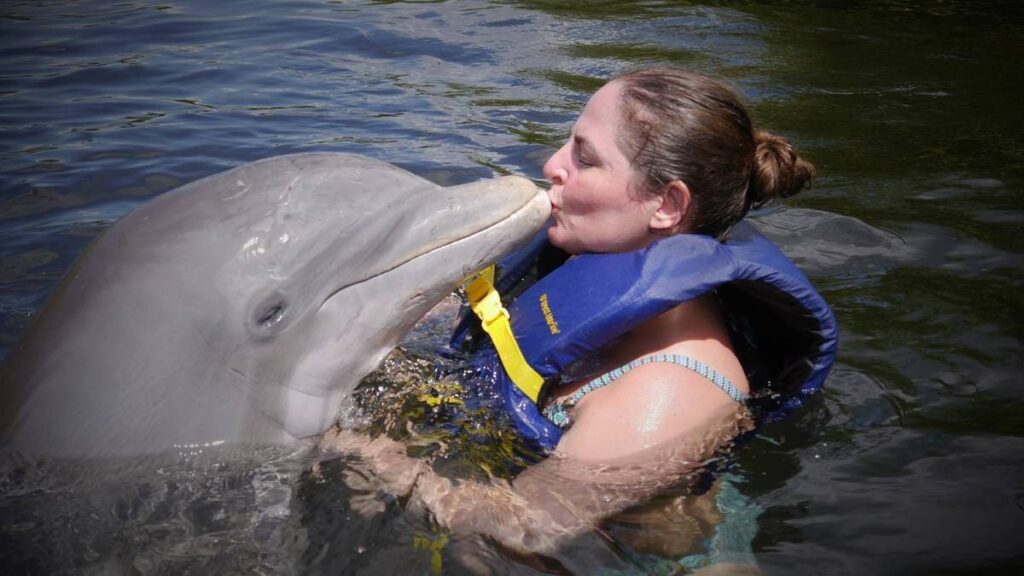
(557, 412)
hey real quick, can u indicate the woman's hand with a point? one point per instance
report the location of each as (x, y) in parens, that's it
(386, 458)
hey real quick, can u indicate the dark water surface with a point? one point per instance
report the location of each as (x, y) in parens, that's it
(910, 462)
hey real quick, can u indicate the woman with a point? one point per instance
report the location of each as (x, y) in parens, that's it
(656, 152)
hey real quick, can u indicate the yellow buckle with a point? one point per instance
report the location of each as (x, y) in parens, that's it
(486, 304)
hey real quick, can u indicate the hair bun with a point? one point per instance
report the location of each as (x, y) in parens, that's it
(779, 172)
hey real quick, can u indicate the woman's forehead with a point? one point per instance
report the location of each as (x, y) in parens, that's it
(604, 104)
(599, 120)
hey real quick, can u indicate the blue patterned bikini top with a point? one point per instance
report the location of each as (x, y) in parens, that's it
(558, 412)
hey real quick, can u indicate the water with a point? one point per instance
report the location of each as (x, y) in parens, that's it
(909, 462)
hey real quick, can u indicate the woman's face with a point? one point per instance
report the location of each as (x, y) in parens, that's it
(593, 207)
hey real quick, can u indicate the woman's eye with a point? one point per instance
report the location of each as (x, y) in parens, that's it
(583, 160)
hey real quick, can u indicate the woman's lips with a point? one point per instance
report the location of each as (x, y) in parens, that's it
(551, 198)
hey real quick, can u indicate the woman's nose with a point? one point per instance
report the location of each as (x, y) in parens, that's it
(554, 168)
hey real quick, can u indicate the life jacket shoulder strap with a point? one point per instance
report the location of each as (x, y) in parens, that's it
(494, 318)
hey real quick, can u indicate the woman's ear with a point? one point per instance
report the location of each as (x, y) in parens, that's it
(673, 214)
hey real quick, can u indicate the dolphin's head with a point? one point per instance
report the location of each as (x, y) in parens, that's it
(243, 307)
(317, 264)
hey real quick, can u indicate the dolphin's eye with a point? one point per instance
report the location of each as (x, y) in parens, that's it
(270, 315)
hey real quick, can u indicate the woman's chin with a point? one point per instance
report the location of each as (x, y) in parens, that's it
(554, 235)
(559, 239)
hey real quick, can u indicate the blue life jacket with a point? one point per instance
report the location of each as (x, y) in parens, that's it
(784, 333)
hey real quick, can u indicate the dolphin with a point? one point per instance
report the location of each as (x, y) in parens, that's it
(245, 306)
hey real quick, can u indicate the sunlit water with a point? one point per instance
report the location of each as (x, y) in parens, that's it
(911, 459)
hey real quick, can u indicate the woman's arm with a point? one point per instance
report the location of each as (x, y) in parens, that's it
(549, 504)
(559, 499)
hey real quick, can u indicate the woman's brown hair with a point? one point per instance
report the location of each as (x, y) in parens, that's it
(680, 125)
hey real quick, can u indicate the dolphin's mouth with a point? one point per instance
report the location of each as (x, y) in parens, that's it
(539, 201)
(318, 382)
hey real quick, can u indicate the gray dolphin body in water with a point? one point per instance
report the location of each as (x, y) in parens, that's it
(245, 306)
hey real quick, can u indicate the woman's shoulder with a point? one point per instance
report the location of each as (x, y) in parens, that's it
(652, 403)
(677, 378)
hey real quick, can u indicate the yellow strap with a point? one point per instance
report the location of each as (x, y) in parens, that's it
(486, 304)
